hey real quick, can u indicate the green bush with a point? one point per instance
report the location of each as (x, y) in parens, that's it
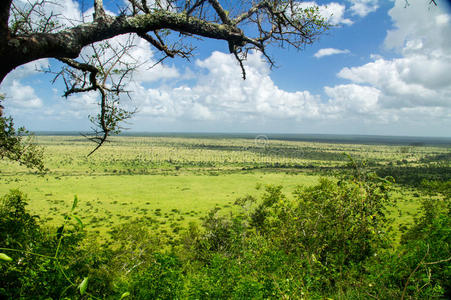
(426, 250)
(161, 280)
(330, 240)
(26, 275)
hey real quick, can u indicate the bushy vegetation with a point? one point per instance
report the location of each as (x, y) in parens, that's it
(19, 146)
(331, 240)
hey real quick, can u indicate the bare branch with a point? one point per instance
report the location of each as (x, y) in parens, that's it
(250, 12)
(190, 10)
(438, 261)
(157, 44)
(85, 68)
(145, 7)
(223, 15)
(240, 61)
(108, 69)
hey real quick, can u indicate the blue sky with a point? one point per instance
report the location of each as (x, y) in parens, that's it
(385, 68)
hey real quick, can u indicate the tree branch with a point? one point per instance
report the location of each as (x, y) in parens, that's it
(249, 13)
(5, 7)
(68, 43)
(99, 12)
(109, 67)
(157, 44)
(223, 15)
(85, 68)
(413, 272)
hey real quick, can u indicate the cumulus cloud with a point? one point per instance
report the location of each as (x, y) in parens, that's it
(333, 12)
(380, 95)
(19, 96)
(421, 77)
(411, 90)
(353, 98)
(76, 108)
(22, 96)
(29, 69)
(419, 28)
(329, 51)
(362, 8)
(221, 94)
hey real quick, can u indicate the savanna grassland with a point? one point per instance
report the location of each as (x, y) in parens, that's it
(196, 206)
(177, 179)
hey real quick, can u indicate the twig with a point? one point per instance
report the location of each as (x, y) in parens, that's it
(413, 272)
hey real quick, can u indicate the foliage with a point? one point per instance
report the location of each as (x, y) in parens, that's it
(26, 274)
(331, 240)
(328, 240)
(42, 263)
(430, 240)
(18, 145)
(161, 280)
(415, 176)
(419, 267)
(18, 227)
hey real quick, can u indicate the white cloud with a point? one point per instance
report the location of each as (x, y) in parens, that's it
(29, 69)
(329, 51)
(421, 77)
(362, 8)
(221, 94)
(78, 107)
(21, 96)
(66, 12)
(427, 27)
(392, 77)
(412, 90)
(379, 98)
(333, 12)
(353, 98)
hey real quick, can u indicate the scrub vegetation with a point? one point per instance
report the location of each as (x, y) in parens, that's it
(225, 217)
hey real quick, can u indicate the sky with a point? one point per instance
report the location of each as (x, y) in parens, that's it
(384, 68)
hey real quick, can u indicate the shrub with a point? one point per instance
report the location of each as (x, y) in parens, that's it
(161, 280)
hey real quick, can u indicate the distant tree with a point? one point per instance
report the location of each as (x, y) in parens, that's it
(30, 30)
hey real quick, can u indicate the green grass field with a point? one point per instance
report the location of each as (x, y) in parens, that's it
(175, 180)
(110, 199)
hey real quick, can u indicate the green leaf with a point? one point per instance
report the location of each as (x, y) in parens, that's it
(83, 285)
(126, 294)
(74, 204)
(59, 232)
(78, 220)
(5, 257)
